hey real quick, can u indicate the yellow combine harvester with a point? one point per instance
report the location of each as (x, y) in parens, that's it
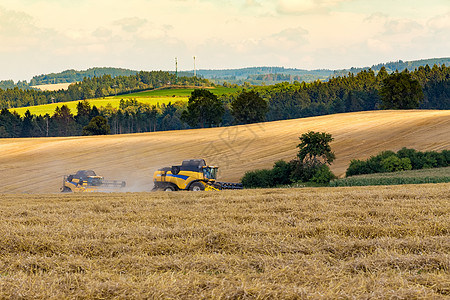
(192, 175)
(88, 181)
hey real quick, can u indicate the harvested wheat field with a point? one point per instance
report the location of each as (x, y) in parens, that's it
(36, 165)
(53, 86)
(321, 243)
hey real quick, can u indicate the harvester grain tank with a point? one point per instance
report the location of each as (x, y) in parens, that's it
(191, 175)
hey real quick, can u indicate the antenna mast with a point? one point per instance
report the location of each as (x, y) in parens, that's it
(195, 72)
(176, 70)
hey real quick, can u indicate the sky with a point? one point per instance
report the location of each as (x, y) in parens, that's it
(45, 36)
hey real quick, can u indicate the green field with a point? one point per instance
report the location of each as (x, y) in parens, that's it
(181, 92)
(435, 175)
(152, 97)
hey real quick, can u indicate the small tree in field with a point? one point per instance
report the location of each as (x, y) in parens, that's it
(315, 148)
(314, 157)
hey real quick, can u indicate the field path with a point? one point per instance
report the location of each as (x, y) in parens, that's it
(36, 165)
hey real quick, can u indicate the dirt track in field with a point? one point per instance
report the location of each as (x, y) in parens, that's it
(36, 165)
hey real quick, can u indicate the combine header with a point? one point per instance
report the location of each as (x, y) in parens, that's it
(192, 175)
(88, 181)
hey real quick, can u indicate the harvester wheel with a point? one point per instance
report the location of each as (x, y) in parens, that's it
(169, 189)
(197, 186)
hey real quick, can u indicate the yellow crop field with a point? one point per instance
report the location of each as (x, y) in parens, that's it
(152, 97)
(36, 165)
(312, 243)
(99, 102)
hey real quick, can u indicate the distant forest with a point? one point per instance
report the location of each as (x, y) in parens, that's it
(397, 66)
(251, 75)
(96, 87)
(349, 93)
(72, 76)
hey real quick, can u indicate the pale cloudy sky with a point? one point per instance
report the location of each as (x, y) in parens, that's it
(43, 36)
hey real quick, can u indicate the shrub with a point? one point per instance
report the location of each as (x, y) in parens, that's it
(301, 172)
(434, 160)
(323, 174)
(414, 156)
(258, 178)
(281, 172)
(394, 164)
(370, 166)
(404, 159)
(446, 155)
(358, 167)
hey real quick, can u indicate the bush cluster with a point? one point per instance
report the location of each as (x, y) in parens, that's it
(404, 159)
(284, 173)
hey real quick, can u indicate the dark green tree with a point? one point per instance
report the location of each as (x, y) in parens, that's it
(64, 121)
(249, 108)
(315, 149)
(83, 113)
(97, 126)
(313, 158)
(204, 109)
(11, 124)
(27, 124)
(401, 91)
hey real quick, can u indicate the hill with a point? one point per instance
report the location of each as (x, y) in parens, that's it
(253, 75)
(398, 65)
(69, 76)
(36, 165)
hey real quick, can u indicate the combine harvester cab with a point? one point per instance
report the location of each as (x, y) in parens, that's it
(192, 175)
(88, 181)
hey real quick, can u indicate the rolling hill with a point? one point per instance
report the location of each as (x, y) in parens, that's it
(36, 165)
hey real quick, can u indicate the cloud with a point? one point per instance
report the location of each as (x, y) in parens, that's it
(14, 22)
(19, 33)
(401, 26)
(299, 7)
(440, 23)
(252, 3)
(376, 45)
(102, 32)
(130, 24)
(290, 37)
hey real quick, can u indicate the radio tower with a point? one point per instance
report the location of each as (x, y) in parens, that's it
(195, 73)
(176, 70)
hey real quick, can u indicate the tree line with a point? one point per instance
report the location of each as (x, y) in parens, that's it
(130, 117)
(96, 87)
(423, 88)
(352, 93)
